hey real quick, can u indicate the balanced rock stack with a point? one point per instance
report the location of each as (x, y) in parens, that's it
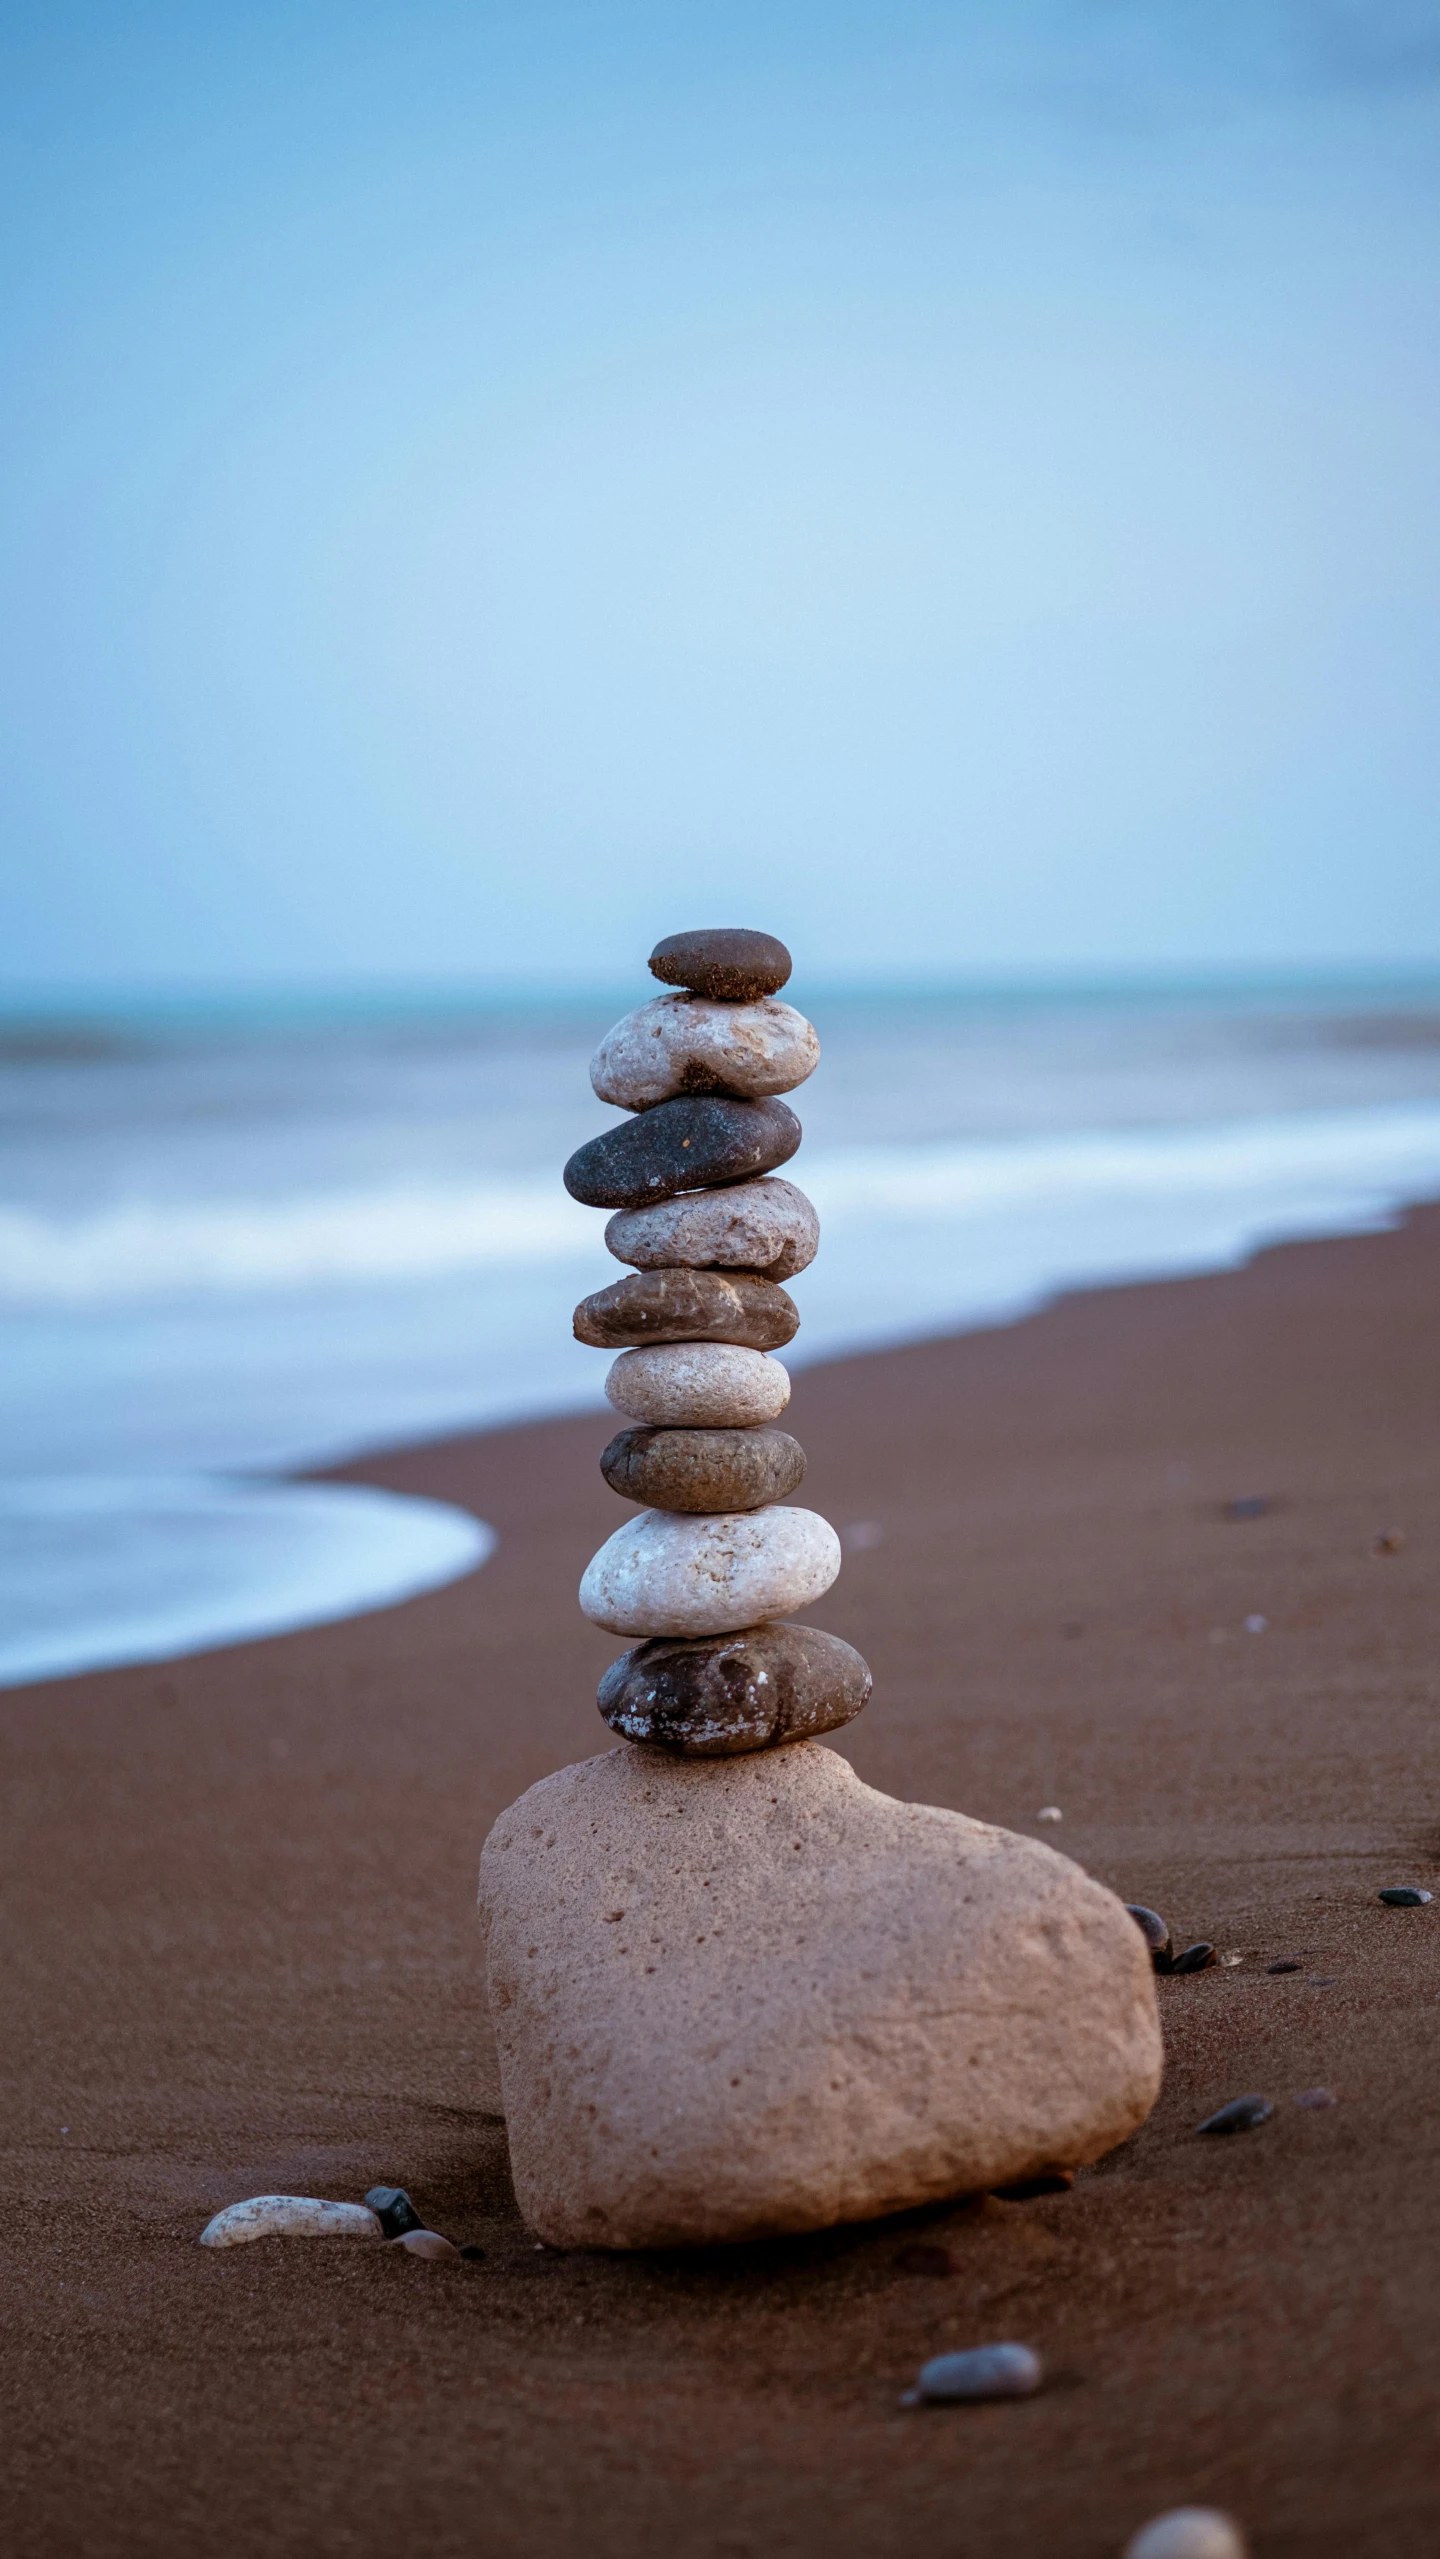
(712, 1562)
(735, 1991)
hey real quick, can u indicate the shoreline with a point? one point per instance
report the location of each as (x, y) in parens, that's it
(242, 1957)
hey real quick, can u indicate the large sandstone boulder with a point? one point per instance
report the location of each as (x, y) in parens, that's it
(736, 1997)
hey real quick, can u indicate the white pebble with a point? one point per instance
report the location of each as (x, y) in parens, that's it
(1049, 1813)
(288, 2217)
(1188, 2532)
(690, 1043)
(677, 1573)
(1256, 1625)
(698, 1386)
(982, 2372)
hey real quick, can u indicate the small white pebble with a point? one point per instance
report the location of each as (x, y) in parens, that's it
(1188, 2532)
(425, 2243)
(982, 2372)
(1256, 1625)
(288, 2216)
(1232, 1959)
(1049, 1813)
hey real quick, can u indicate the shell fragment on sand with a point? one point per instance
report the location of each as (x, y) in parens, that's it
(289, 2217)
(710, 1697)
(689, 1470)
(767, 1226)
(687, 1306)
(698, 1386)
(708, 1573)
(980, 2372)
(690, 1044)
(684, 1145)
(728, 962)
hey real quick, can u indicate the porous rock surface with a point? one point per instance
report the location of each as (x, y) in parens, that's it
(688, 1044)
(767, 1226)
(681, 1146)
(712, 1696)
(698, 1385)
(736, 1997)
(684, 1470)
(726, 961)
(688, 1306)
(673, 1573)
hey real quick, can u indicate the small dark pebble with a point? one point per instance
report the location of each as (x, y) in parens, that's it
(1289, 1966)
(922, 2260)
(1196, 1959)
(728, 963)
(1321, 1981)
(1027, 2190)
(1249, 1506)
(471, 2250)
(393, 2210)
(1155, 1933)
(1405, 1896)
(1241, 2115)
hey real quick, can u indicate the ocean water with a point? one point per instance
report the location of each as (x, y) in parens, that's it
(242, 1242)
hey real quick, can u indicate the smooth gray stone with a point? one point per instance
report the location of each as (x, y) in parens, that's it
(681, 1305)
(684, 1145)
(981, 2372)
(767, 1226)
(680, 1470)
(714, 1696)
(727, 961)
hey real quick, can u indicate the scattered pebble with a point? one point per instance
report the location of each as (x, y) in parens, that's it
(923, 2258)
(1290, 1965)
(1155, 1933)
(982, 2372)
(1405, 1896)
(1391, 1541)
(393, 2210)
(1249, 1506)
(1188, 2532)
(1049, 1813)
(289, 2217)
(1241, 2115)
(425, 2243)
(1195, 1959)
(1028, 2190)
(1316, 2097)
(1257, 1625)
(1321, 1981)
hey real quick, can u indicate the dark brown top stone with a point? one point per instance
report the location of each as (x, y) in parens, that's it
(711, 1696)
(676, 1304)
(728, 963)
(686, 1145)
(681, 1470)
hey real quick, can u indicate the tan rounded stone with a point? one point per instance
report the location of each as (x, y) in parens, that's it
(699, 1385)
(766, 1226)
(686, 1044)
(784, 2000)
(703, 1470)
(672, 1573)
(688, 1306)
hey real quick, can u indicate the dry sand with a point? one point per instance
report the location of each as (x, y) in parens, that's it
(240, 1956)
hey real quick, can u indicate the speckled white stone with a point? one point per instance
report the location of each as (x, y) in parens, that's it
(288, 2217)
(705, 1385)
(689, 1044)
(709, 1573)
(1188, 2532)
(766, 1225)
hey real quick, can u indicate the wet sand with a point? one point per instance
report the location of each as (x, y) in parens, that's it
(239, 1956)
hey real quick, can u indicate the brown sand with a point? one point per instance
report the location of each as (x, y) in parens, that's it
(240, 1957)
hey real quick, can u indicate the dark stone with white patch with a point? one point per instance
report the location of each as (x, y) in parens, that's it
(690, 1144)
(679, 1470)
(1241, 2115)
(675, 1304)
(1405, 1896)
(727, 963)
(714, 1696)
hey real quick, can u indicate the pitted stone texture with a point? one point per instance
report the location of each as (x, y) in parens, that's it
(766, 1226)
(669, 1573)
(737, 1997)
(698, 1386)
(681, 1305)
(723, 1694)
(681, 1146)
(727, 961)
(703, 1470)
(687, 1044)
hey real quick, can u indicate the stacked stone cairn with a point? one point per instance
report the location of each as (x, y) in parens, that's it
(713, 1563)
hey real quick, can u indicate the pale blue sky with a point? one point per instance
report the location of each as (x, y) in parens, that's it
(481, 486)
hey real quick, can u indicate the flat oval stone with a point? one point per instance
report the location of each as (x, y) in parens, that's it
(666, 1574)
(1405, 1896)
(703, 1470)
(766, 1226)
(1241, 2115)
(681, 1146)
(727, 961)
(1195, 1959)
(688, 1306)
(1155, 1933)
(1188, 2532)
(698, 1385)
(982, 2372)
(713, 1696)
(288, 2217)
(690, 1044)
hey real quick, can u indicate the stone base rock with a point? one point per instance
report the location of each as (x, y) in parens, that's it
(737, 1997)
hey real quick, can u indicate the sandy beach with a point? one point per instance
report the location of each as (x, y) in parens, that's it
(240, 1956)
